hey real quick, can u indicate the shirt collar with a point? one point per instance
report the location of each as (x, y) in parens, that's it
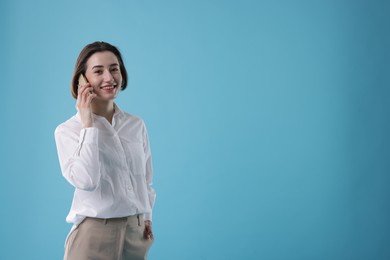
(118, 112)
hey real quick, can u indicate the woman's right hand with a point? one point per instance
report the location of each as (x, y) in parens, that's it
(85, 96)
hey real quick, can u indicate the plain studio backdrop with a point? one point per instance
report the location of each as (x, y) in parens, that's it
(268, 120)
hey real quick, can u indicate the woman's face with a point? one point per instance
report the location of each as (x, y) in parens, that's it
(104, 75)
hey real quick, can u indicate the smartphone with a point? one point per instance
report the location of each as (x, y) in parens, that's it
(82, 80)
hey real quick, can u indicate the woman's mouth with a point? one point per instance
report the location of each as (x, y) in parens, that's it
(110, 87)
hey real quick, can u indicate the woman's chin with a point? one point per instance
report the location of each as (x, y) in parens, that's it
(105, 97)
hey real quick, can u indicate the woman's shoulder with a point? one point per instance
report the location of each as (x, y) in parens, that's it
(71, 124)
(132, 117)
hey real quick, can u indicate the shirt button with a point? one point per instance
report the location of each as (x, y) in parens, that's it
(129, 188)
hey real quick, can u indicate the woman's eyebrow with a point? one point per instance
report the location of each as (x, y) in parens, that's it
(97, 66)
(101, 66)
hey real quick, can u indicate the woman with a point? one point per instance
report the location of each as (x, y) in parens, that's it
(104, 153)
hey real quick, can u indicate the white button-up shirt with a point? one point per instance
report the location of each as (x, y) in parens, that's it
(109, 165)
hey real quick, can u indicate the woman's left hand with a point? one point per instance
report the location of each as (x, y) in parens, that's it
(148, 233)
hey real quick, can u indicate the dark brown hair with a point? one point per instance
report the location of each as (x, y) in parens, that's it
(85, 54)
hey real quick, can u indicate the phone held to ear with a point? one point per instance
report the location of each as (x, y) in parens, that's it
(82, 80)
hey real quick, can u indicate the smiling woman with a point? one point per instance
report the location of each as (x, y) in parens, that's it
(104, 77)
(113, 200)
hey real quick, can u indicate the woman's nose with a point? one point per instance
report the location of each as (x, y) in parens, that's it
(108, 77)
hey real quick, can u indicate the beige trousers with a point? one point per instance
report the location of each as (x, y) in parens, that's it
(108, 239)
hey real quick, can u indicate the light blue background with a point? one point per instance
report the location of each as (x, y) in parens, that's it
(269, 123)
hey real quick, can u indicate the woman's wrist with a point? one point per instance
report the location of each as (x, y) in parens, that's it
(88, 125)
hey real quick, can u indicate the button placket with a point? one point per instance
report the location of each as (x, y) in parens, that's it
(126, 169)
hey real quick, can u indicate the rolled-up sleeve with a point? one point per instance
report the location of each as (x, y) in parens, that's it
(79, 156)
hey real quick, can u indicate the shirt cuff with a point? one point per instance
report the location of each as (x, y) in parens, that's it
(148, 216)
(88, 135)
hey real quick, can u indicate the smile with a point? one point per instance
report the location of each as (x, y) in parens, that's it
(108, 87)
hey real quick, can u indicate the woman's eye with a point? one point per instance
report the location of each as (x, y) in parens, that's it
(115, 69)
(98, 72)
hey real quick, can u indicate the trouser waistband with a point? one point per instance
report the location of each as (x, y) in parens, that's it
(139, 217)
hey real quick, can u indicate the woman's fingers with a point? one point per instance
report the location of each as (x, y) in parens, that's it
(84, 95)
(90, 96)
(81, 88)
(80, 91)
(83, 104)
(148, 233)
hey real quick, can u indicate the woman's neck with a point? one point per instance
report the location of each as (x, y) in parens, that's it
(104, 108)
